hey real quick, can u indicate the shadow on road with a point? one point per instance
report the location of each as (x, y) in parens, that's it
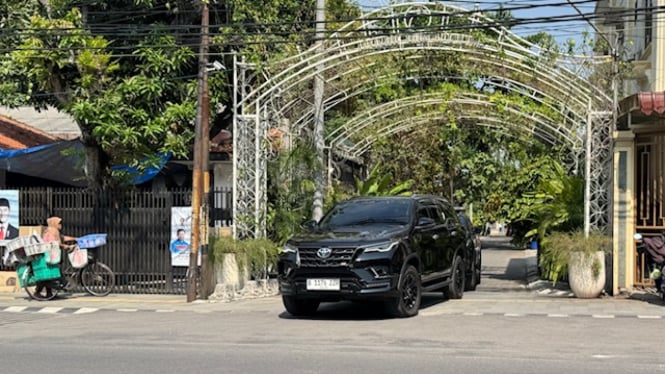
(498, 243)
(363, 311)
(504, 268)
(649, 296)
(515, 270)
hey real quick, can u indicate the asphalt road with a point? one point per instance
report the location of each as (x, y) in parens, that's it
(504, 327)
(345, 338)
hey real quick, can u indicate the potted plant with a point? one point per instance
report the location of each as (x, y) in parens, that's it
(238, 261)
(579, 257)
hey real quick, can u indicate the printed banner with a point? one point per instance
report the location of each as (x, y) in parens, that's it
(9, 215)
(181, 236)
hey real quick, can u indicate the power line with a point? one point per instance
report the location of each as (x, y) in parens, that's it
(196, 27)
(376, 31)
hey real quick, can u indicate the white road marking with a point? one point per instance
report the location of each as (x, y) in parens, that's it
(49, 310)
(16, 309)
(86, 310)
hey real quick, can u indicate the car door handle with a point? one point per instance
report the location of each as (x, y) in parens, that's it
(435, 236)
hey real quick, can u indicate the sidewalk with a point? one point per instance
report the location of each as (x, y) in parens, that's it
(509, 286)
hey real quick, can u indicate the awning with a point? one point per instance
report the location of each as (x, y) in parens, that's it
(641, 108)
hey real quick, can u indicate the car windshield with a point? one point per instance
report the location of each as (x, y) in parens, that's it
(365, 212)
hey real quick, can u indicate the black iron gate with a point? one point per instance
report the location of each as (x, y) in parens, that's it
(138, 224)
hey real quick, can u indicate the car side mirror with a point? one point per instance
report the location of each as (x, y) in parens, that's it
(425, 221)
(311, 225)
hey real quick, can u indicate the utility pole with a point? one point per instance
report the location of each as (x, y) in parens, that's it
(319, 131)
(199, 174)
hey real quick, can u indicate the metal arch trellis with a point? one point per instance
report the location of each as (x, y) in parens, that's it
(261, 102)
(598, 173)
(539, 127)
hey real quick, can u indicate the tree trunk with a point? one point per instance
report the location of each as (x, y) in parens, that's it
(96, 162)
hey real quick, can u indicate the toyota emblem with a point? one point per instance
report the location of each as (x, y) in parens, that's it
(324, 252)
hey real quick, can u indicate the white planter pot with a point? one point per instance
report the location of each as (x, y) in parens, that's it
(586, 274)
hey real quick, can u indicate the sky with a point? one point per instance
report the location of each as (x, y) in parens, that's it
(545, 8)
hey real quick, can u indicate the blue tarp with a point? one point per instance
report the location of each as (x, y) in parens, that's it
(147, 174)
(18, 152)
(62, 162)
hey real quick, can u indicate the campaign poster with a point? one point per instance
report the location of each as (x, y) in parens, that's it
(181, 236)
(9, 215)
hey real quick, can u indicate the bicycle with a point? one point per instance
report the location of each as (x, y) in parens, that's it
(95, 277)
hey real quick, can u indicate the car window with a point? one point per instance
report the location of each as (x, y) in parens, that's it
(364, 212)
(436, 214)
(463, 220)
(449, 214)
(432, 212)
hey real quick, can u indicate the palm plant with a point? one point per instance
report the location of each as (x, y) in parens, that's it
(557, 204)
(557, 215)
(378, 184)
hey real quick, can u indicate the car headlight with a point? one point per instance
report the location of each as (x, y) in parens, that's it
(288, 248)
(380, 247)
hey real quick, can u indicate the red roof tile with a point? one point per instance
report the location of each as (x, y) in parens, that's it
(18, 135)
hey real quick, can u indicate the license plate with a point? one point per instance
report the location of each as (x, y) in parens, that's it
(321, 284)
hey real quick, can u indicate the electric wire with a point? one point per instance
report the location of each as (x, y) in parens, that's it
(332, 37)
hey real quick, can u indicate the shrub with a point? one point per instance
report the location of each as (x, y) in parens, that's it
(557, 247)
(257, 256)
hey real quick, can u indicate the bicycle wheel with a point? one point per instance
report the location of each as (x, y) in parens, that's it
(97, 279)
(39, 291)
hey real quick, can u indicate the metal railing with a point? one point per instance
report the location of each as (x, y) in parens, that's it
(138, 224)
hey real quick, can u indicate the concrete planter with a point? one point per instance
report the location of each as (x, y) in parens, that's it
(228, 272)
(586, 274)
(234, 284)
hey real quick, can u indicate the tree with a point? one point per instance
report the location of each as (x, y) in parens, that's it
(128, 106)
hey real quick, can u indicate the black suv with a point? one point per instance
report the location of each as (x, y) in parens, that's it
(473, 277)
(377, 248)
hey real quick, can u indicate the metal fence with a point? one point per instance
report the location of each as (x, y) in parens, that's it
(138, 224)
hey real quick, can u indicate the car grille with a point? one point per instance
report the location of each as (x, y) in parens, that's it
(338, 257)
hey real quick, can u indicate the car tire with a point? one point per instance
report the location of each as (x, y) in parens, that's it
(455, 289)
(410, 291)
(479, 268)
(300, 307)
(473, 277)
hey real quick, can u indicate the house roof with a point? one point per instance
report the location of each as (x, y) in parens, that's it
(17, 135)
(48, 120)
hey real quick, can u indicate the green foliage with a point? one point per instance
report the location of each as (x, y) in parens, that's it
(557, 204)
(556, 248)
(129, 107)
(257, 256)
(381, 184)
(290, 186)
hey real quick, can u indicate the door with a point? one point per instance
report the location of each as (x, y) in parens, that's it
(427, 238)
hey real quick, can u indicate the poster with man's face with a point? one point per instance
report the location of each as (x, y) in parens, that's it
(9, 214)
(181, 236)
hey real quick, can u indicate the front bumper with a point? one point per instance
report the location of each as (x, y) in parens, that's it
(355, 284)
